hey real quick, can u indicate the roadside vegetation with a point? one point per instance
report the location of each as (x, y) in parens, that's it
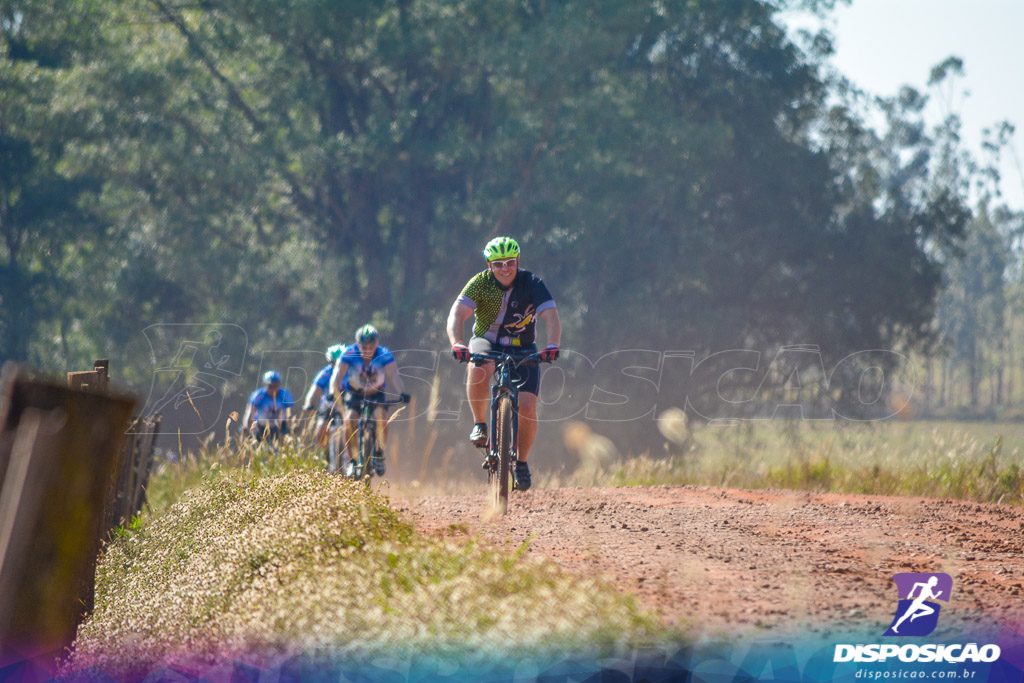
(242, 551)
(277, 558)
(981, 462)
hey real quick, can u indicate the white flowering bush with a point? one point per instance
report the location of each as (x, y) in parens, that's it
(304, 563)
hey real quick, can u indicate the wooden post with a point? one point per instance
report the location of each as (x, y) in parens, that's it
(59, 450)
(144, 461)
(97, 379)
(127, 490)
(102, 369)
(117, 500)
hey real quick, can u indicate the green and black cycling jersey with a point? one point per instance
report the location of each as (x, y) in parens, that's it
(506, 316)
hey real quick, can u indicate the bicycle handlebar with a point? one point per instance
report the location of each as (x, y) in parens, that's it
(382, 401)
(527, 359)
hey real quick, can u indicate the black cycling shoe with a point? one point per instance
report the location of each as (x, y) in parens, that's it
(521, 474)
(378, 463)
(478, 437)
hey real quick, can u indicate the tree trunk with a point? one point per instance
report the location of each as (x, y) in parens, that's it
(972, 372)
(1008, 363)
(417, 244)
(365, 206)
(929, 385)
(943, 380)
(16, 307)
(998, 373)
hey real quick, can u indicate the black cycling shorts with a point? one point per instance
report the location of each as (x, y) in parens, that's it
(527, 377)
(261, 431)
(354, 400)
(327, 413)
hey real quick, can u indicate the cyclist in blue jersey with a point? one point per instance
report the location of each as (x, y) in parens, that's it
(506, 303)
(315, 401)
(365, 369)
(269, 409)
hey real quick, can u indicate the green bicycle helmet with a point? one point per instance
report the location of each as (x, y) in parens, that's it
(334, 353)
(501, 248)
(366, 334)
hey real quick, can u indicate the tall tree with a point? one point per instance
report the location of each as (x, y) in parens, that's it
(47, 229)
(972, 305)
(298, 167)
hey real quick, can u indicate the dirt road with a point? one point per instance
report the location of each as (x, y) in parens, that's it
(731, 561)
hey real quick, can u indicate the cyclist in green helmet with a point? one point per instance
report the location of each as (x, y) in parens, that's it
(364, 369)
(506, 302)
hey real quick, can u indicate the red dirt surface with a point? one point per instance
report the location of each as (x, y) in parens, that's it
(726, 561)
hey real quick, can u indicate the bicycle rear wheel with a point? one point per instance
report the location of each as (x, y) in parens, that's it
(500, 479)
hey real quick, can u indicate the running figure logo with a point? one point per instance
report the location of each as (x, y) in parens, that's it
(918, 611)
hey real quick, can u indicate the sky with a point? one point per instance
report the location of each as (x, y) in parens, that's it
(884, 44)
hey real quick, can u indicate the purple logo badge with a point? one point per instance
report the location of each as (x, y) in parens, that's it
(918, 610)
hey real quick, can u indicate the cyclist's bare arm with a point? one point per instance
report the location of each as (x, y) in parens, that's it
(552, 326)
(246, 416)
(457, 318)
(340, 369)
(393, 380)
(312, 398)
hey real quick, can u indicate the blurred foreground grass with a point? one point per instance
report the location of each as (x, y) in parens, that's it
(277, 558)
(964, 460)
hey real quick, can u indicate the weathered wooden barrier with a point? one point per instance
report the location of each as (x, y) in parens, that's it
(60, 448)
(97, 379)
(127, 492)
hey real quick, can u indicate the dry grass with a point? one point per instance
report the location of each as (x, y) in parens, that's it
(304, 563)
(969, 461)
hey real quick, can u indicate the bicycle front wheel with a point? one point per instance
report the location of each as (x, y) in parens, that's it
(367, 444)
(500, 479)
(335, 435)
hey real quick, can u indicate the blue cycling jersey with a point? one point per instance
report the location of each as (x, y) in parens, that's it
(362, 376)
(267, 408)
(323, 380)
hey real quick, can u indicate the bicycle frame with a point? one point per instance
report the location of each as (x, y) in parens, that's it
(503, 387)
(367, 430)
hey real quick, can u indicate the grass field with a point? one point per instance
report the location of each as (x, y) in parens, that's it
(979, 461)
(966, 460)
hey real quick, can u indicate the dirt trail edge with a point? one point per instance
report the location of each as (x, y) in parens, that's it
(732, 561)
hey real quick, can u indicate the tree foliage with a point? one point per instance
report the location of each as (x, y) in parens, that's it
(298, 167)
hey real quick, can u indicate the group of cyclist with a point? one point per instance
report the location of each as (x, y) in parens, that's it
(505, 302)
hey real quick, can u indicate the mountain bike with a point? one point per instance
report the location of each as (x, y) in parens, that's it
(369, 433)
(503, 433)
(332, 425)
(272, 434)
